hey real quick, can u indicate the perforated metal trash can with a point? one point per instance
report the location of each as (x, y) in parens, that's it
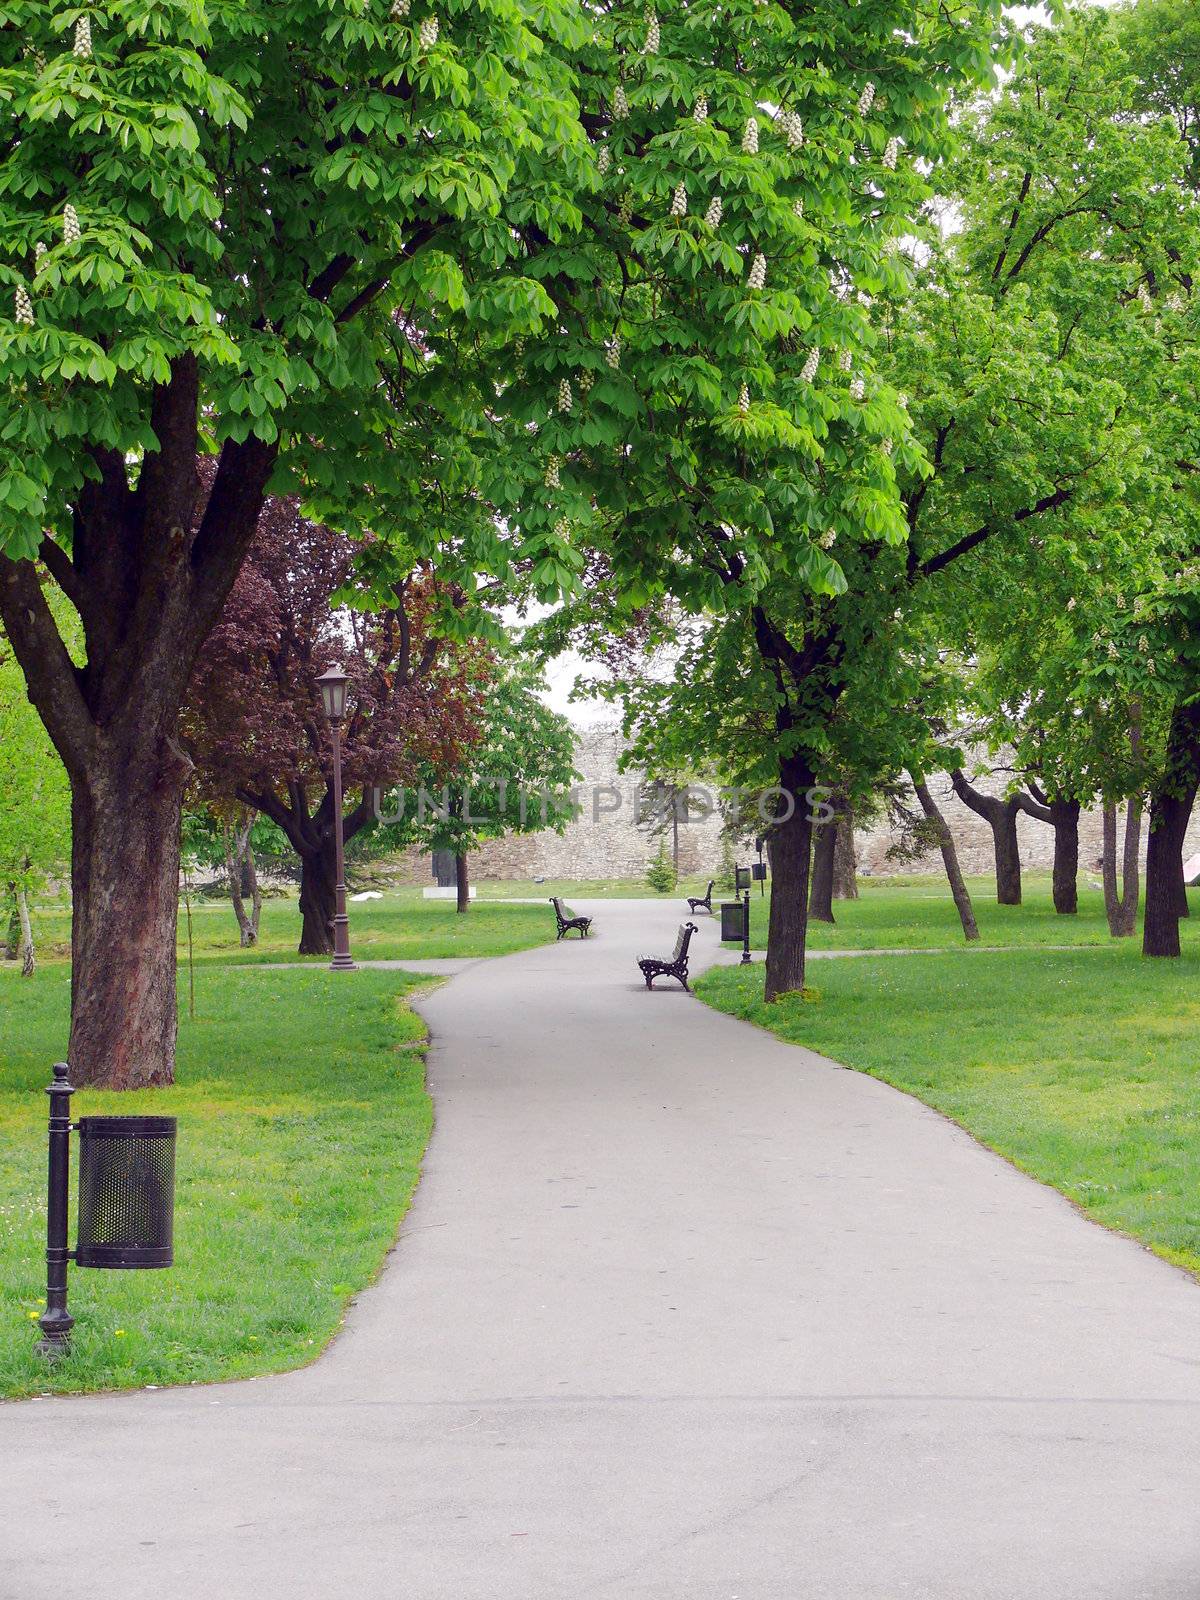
(733, 915)
(126, 1192)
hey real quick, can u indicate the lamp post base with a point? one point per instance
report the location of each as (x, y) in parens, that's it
(56, 1324)
(343, 963)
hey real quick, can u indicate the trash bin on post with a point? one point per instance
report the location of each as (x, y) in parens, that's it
(732, 915)
(126, 1192)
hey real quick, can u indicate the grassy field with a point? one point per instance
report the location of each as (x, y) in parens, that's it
(301, 1129)
(920, 915)
(399, 926)
(1081, 1066)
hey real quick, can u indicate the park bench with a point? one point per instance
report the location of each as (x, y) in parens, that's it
(705, 901)
(566, 923)
(677, 967)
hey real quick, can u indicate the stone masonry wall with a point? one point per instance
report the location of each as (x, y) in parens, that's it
(605, 841)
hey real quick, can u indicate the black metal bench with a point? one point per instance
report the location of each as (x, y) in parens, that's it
(706, 902)
(565, 923)
(677, 967)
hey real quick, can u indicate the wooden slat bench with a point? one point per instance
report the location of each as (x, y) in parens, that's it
(582, 925)
(677, 966)
(706, 901)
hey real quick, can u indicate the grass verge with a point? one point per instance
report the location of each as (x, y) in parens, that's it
(302, 1124)
(1078, 1066)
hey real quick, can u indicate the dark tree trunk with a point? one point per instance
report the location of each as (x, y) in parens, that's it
(462, 882)
(125, 892)
(1065, 814)
(845, 874)
(1001, 817)
(243, 880)
(318, 898)
(149, 569)
(820, 895)
(12, 942)
(1170, 812)
(958, 887)
(790, 845)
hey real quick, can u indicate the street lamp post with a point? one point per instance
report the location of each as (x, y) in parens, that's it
(333, 693)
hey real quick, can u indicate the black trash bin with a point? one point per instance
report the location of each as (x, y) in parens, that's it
(733, 914)
(126, 1192)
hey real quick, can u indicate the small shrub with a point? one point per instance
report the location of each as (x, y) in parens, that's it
(661, 874)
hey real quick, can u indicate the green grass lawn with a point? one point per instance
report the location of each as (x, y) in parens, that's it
(1081, 1066)
(399, 926)
(919, 914)
(302, 1121)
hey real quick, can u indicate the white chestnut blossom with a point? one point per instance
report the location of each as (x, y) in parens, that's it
(23, 306)
(715, 209)
(565, 398)
(857, 389)
(562, 528)
(793, 130)
(586, 380)
(1071, 603)
(400, 9)
(604, 160)
(809, 370)
(83, 39)
(845, 360)
(744, 399)
(679, 201)
(653, 35)
(866, 99)
(828, 539)
(1144, 299)
(1175, 301)
(1143, 643)
(758, 272)
(886, 446)
(70, 225)
(625, 210)
(700, 109)
(427, 33)
(890, 154)
(612, 351)
(798, 207)
(750, 137)
(620, 103)
(1112, 651)
(1150, 666)
(39, 256)
(552, 478)
(864, 299)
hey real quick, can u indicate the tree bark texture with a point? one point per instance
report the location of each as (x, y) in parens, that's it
(1062, 814)
(790, 846)
(243, 878)
(318, 898)
(958, 887)
(27, 953)
(1001, 817)
(845, 865)
(1121, 906)
(12, 939)
(149, 570)
(462, 882)
(820, 895)
(1170, 811)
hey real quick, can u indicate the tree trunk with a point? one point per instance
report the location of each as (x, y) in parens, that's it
(243, 880)
(318, 898)
(462, 882)
(1065, 817)
(1130, 877)
(125, 882)
(27, 953)
(1170, 812)
(1108, 872)
(958, 887)
(12, 941)
(820, 895)
(1001, 817)
(845, 875)
(790, 845)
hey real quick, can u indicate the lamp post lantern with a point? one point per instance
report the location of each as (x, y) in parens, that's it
(333, 693)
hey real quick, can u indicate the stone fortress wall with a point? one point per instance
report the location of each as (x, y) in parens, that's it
(606, 842)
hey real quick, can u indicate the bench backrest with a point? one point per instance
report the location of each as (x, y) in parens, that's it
(558, 908)
(686, 930)
(712, 884)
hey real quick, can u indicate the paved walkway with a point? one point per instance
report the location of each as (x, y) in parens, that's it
(679, 1313)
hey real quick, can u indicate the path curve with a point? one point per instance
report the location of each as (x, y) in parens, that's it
(679, 1313)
